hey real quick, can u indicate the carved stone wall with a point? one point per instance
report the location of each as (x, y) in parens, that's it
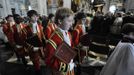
(129, 5)
(5, 8)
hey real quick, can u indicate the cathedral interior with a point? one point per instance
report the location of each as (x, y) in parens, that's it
(104, 21)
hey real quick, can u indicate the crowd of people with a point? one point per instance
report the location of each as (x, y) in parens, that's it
(49, 32)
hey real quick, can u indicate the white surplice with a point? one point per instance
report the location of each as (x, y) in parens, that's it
(121, 61)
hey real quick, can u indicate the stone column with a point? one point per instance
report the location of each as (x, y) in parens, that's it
(52, 7)
(6, 9)
(67, 3)
(34, 4)
(39, 5)
(42, 6)
(106, 6)
(129, 5)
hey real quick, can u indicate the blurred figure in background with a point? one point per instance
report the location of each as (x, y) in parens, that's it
(79, 28)
(121, 61)
(51, 26)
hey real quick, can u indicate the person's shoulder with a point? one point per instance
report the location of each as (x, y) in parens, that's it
(130, 46)
(126, 45)
(57, 32)
(127, 48)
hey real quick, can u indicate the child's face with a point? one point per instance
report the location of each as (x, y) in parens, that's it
(34, 18)
(67, 22)
(10, 19)
(83, 20)
(52, 19)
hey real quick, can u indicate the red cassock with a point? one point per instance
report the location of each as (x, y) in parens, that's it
(8, 31)
(55, 40)
(19, 37)
(77, 33)
(49, 30)
(34, 55)
(29, 32)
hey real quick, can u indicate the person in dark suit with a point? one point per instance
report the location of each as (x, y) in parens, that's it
(129, 18)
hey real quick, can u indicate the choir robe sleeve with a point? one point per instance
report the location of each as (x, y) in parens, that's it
(76, 37)
(51, 60)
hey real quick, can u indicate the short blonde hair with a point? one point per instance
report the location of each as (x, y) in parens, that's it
(62, 13)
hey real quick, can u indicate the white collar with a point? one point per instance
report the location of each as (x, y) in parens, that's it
(34, 27)
(63, 31)
(35, 24)
(65, 36)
